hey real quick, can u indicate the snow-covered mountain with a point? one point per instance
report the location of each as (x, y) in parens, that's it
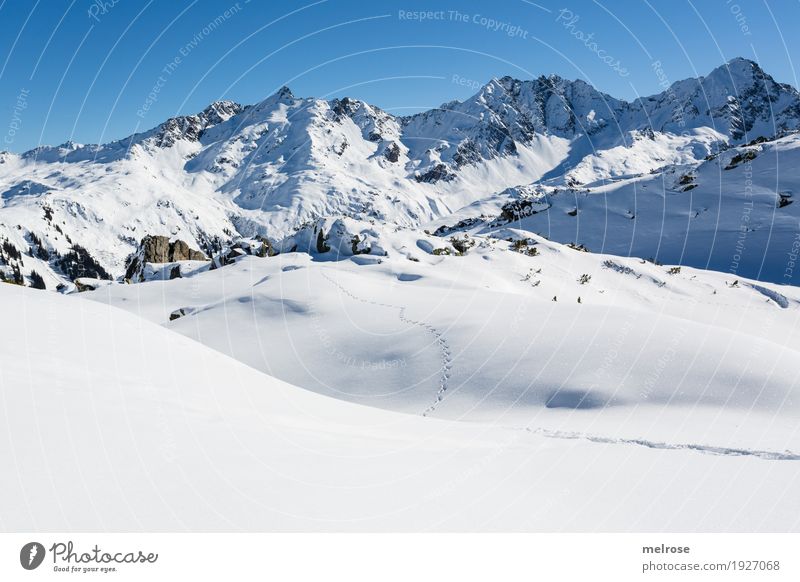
(265, 170)
(738, 99)
(733, 212)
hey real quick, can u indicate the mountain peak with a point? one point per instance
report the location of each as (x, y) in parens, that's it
(741, 63)
(496, 85)
(283, 94)
(739, 73)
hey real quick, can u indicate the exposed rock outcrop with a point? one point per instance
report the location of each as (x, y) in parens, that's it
(159, 249)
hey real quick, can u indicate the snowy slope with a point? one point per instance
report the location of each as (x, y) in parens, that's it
(236, 171)
(116, 423)
(627, 350)
(733, 212)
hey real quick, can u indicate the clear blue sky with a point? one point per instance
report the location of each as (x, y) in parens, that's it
(83, 69)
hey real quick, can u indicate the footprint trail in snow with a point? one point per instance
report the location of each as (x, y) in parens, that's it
(441, 342)
(706, 449)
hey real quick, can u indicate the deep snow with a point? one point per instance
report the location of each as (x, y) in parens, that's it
(116, 423)
(691, 357)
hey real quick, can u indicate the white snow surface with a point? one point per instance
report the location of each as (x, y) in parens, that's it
(716, 214)
(117, 423)
(479, 337)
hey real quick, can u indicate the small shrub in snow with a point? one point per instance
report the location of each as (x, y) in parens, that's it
(462, 245)
(37, 281)
(525, 246)
(625, 270)
(79, 263)
(578, 247)
(357, 248)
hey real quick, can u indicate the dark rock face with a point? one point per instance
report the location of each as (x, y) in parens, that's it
(220, 111)
(344, 107)
(746, 156)
(460, 225)
(191, 127)
(517, 209)
(436, 173)
(155, 249)
(392, 152)
(79, 285)
(182, 312)
(180, 251)
(322, 242)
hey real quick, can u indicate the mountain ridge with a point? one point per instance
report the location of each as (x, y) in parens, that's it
(268, 169)
(735, 65)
